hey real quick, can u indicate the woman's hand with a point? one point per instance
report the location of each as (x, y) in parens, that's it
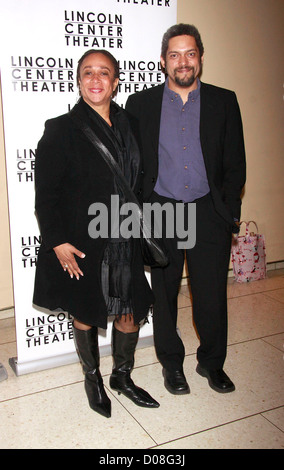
(65, 254)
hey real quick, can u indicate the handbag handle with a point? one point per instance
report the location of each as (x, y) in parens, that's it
(247, 226)
(251, 222)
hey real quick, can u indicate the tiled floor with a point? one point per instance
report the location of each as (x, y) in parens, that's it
(49, 409)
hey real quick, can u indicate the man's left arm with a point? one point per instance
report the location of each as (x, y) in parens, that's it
(234, 162)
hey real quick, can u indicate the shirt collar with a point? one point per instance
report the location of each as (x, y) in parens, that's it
(193, 95)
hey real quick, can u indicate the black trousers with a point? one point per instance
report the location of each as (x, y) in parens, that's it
(208, 264)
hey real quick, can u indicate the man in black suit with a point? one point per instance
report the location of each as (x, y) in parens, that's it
(193, 152)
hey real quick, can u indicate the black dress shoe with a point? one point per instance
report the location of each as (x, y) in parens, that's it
(217, 379)
(175, 382)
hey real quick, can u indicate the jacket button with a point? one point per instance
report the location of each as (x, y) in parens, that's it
(153, 180)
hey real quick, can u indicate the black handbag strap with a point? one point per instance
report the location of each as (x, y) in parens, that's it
(122, 183)
(107, 156)
(113, 165)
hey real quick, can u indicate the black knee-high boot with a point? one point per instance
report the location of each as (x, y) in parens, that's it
(86, 342)
(123, 349)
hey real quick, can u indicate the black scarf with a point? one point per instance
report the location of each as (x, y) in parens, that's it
(121, 139)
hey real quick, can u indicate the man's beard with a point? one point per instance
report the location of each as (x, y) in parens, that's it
(186, 81)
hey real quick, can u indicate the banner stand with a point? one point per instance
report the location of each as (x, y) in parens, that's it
(38, 80)
(42, 364)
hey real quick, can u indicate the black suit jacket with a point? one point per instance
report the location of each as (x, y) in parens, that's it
(222, 143)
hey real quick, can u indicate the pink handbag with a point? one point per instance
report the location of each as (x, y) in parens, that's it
(248, 256)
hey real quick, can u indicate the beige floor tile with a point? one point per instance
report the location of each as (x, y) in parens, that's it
(61, 418)
(276, 294)
(254, 316)
(183, 301)
(249, 433)
(276, 417)
(7, 330)
(185, 290)
(51, 378)
(255, 367)
(45, 409)
(276, 340)
(145, 356)
(273, 281)
(248, 319)
(7, 313)
(43, 380)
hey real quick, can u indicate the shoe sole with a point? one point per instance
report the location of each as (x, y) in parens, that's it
(216, 389)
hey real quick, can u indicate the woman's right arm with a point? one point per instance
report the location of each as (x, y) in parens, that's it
(51, 166)
(50, 170)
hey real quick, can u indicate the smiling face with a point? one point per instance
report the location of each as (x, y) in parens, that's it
(182, 63)
(96, 80)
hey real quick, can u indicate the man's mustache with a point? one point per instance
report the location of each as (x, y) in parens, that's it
(186, 67)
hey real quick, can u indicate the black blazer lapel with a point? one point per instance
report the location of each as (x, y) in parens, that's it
(152, 105)
(156, 109)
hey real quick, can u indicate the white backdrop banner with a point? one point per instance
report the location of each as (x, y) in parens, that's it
(41, 42)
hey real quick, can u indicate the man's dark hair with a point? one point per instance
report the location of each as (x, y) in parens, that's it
(180, 30)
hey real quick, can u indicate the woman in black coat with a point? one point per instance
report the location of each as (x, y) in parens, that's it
(80, 269)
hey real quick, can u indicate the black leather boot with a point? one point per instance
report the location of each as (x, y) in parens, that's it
(123, 349)
(88, 351)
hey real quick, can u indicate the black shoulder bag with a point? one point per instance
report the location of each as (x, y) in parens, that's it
(152, 253)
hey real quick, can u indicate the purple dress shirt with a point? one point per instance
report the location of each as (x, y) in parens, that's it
(182, 175)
